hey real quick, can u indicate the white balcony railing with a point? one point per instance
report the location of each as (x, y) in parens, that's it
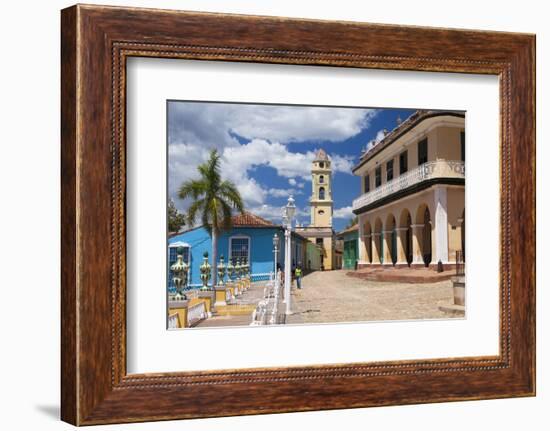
(426, 171)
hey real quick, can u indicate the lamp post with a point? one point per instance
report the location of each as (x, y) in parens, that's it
(275, 251)
(288, 215)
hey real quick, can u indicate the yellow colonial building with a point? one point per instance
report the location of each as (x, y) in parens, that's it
(320, 230)
(411, 207)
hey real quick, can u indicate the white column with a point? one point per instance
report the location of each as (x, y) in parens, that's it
(387, 247)
(441, 225)
(375, 241)
(288, 269)
(363, 258)
(417, 244)
(401, 245)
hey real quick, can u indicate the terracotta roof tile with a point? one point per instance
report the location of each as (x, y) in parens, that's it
(249, 219)
(349, 229)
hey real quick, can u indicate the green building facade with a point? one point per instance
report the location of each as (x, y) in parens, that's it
(350, 238)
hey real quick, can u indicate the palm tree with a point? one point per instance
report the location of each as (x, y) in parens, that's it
(213, 201)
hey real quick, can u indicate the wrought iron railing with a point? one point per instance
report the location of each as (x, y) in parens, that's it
(426, 171)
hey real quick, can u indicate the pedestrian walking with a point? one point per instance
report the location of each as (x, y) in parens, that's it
(298, 275)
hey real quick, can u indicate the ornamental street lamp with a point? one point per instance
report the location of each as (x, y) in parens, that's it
(288, 215)
(275, 251)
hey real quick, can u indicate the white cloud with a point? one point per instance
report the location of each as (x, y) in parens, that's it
(343, 213)
(283, 193)
(294, 124)
(211, 122)
(379, 136)
(238, 163)
(260, 152)
(196, 128)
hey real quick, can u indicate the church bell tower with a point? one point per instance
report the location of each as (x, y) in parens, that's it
(321, 195)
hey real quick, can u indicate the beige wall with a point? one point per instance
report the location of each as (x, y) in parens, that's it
(455, 210)
(448, 143)
(328, 255)
(381, 219)
(321, 210)
(443, 143)
(323, 219)
(328, 261)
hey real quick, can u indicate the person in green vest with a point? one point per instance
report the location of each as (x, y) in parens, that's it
(298, 275)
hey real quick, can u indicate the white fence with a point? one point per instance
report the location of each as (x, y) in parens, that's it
(196, 313)
(173, 321)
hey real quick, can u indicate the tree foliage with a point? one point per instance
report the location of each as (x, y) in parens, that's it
(352, 222)
(176, 220)
(213, 202)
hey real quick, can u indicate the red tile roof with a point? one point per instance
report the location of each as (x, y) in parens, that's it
(349, 229)
(252, 220)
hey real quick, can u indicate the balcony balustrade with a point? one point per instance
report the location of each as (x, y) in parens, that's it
(427, 171)
(196, 313)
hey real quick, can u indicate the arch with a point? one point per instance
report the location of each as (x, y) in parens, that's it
(321, 179)
(405, 222)
(392, 240)
(423, 217)
(321, 193)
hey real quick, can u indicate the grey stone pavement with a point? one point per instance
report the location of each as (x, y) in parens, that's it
(332, 296)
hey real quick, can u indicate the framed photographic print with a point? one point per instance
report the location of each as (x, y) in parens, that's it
(279, 206)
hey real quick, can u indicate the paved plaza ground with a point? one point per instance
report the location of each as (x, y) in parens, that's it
(333, 296)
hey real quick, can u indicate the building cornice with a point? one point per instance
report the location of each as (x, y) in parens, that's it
(412, 122)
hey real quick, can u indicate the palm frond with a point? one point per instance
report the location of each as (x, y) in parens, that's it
(229, 193)
(226, 219)
(213, 199)
(192, 189)
(196, 207)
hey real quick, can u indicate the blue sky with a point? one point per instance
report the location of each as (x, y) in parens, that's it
(267, 150)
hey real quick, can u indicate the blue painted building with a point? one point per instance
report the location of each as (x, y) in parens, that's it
(250, 238)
